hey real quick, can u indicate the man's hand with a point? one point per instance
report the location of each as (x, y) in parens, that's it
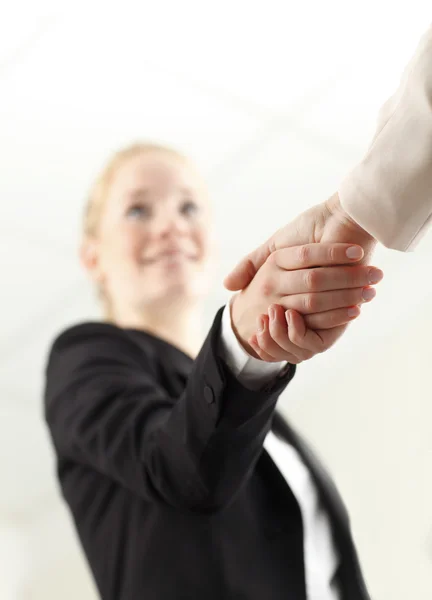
(326, 222)
(288, 278)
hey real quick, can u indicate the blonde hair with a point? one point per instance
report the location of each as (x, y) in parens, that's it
(99, 192)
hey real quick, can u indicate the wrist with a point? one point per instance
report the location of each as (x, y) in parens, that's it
(237, 320)
(334, 208)
(340, 227)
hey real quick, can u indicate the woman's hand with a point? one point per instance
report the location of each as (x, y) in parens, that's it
(287, 336)
(290, 278)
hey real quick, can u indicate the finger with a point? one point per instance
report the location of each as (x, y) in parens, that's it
(266, 343)
(326, 279)
(278, 332)
(317, 302)
(317, 255)
(263, 355)
(247, 268)
(309, 339)
(332, 318)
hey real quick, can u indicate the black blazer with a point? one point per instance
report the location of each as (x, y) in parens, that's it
(161, 462)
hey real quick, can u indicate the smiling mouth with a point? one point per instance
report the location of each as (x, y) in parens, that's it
(170, 256)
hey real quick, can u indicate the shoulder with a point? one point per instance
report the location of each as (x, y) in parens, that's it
(97, 356)
(94, 342)
(82, 332)
(87, 334)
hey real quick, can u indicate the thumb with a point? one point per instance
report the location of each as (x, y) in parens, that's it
(247, 268)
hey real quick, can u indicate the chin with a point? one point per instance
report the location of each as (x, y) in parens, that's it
(173, 284)
(186, 290)
(182, 293)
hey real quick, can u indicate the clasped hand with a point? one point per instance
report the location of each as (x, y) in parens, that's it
(301, 300)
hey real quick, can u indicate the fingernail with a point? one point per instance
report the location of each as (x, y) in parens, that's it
(354, 252)
(260, 325)
(288, 317)
(354, 311)
(375, 275)
(368, 294)
(271, 313)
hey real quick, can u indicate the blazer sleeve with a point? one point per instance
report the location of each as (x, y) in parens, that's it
(106, 410)
(390, 192)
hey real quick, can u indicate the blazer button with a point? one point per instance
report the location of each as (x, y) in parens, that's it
(209, 395)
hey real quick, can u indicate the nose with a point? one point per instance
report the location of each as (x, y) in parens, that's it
(168, 224)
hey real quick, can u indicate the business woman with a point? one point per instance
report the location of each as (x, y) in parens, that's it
(183, 481)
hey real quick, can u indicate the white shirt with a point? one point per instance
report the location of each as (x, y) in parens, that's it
(320, 554)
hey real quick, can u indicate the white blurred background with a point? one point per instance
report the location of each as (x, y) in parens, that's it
(276, 101)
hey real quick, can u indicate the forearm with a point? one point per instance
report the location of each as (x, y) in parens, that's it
(106, 409)
(389, 193)
(241, 418)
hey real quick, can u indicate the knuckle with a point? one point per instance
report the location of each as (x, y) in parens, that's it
(263, 339)
(303, 254)
(310, 303)
(279, 343)
(304, 354)
(278, 336)
(294, 337)
(267, 287)
(276, 359)
(257, 346)
(272, 259)
(312, 279)
(332, 254)
(271, 331)
(263, 344)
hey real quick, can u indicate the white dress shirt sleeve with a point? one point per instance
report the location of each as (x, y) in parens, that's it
(251, 372)
(389, 193)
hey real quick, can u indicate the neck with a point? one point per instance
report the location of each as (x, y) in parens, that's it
(178, 323)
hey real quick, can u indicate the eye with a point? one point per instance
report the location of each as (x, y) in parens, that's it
(189, 208)
(138, 211)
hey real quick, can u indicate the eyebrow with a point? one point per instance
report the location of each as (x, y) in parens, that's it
(138, 193)
(143, 193)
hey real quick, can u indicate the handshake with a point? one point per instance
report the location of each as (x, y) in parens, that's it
(298, 292)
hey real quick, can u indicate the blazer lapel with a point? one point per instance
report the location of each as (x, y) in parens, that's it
(323, 480)
(350, 574)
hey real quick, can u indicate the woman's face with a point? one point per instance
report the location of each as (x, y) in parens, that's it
(154, 244)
